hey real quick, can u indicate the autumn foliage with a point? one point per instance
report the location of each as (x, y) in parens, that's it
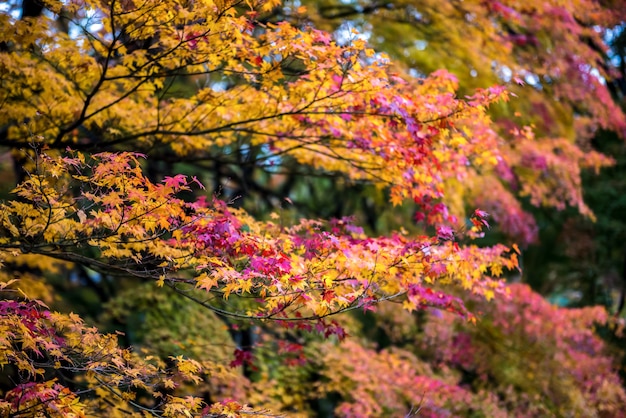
(117, 116)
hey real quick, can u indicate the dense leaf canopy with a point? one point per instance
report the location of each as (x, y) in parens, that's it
(128, 288)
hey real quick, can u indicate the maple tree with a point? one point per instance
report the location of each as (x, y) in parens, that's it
(102, 101)
(552, 55)
(565, 63)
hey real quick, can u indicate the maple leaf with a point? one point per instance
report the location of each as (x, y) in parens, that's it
(445, 233)
(175, 182)
(328, 296)
(242, 357)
